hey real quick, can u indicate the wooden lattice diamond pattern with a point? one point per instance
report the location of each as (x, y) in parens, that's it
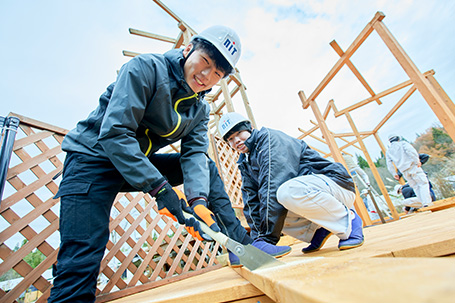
(145, 250)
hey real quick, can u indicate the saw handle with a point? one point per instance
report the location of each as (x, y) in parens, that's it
(217, 236)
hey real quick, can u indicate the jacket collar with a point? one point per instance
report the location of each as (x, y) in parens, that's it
(251, 144)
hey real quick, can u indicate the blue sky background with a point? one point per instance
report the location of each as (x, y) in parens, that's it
(57, 57)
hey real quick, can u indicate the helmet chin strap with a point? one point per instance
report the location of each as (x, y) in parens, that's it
(189, 54)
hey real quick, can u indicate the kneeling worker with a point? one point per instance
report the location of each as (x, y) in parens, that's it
(289, 187)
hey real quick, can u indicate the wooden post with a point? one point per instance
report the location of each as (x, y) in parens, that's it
(336, 153)
(227, 96)
(373, 169)
(429, 93)
(246, 102)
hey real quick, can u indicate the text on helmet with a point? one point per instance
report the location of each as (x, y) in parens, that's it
(230, 46)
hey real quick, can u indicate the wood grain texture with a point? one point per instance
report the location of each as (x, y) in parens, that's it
(319, 280)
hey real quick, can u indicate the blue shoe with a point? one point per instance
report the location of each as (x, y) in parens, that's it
(234, 261)
(356, 237)
(273, 250)
(320, 237)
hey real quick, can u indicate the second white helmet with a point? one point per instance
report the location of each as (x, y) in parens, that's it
(229, 121)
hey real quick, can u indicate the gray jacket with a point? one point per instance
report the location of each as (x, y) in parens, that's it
(275, 158)
(149, 107)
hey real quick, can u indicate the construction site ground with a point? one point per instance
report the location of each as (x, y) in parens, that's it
(408, 260)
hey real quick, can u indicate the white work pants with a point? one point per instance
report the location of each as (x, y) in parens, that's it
(321, 201)
(418, 180)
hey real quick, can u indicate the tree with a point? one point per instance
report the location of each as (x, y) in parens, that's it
(362, 162)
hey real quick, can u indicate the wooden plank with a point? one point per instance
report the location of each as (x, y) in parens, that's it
(221, 285)
(413, 236)
(428, 234)
(439, 205)
(362, 280)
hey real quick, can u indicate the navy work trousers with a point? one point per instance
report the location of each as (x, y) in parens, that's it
(87, 192)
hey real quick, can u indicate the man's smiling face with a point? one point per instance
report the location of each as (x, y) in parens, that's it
(200, 71)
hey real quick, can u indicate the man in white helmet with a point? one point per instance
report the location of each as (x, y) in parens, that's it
(407, 161)
(157, 99)
(288, 187)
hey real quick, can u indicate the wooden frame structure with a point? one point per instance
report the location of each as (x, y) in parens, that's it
(425, 83)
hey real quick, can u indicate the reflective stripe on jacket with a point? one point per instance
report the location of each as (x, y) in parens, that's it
(149, 107)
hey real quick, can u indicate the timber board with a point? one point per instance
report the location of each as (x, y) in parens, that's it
(378, 276)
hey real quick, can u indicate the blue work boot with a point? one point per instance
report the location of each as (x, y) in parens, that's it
(356, 237)
(319, 238)
(234, 261)
(273, 250)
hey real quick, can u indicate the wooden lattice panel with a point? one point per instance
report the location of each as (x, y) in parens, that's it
(229, 171)
(144, 250)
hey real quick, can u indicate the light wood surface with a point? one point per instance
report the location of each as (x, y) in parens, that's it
(361, 280)
(222, 285)
(384, 269)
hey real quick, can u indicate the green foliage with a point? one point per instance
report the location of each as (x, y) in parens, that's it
(33, 259)
(440, 136)
(362, 162)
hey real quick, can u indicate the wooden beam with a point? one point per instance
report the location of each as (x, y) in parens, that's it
(307, 133)
(152, 36)
(380, 95)
(428, 92)
(130, 53)
(341, 135)
(336, 154)
(343, 59)
(395, 108)
(373, 168)
(441, 92)
(356, 72)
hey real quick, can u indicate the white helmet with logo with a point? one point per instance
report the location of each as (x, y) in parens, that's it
(225, 40)
(229, 121)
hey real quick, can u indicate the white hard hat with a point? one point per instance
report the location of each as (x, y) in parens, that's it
(225, 40)
(229, 121)
(364, 191)
(392, 135)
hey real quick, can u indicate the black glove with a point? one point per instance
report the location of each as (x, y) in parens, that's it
(169, 204)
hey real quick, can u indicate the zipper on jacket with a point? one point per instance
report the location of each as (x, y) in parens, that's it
(178, 115)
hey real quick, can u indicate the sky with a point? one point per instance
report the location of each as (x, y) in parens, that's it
(57, 57)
